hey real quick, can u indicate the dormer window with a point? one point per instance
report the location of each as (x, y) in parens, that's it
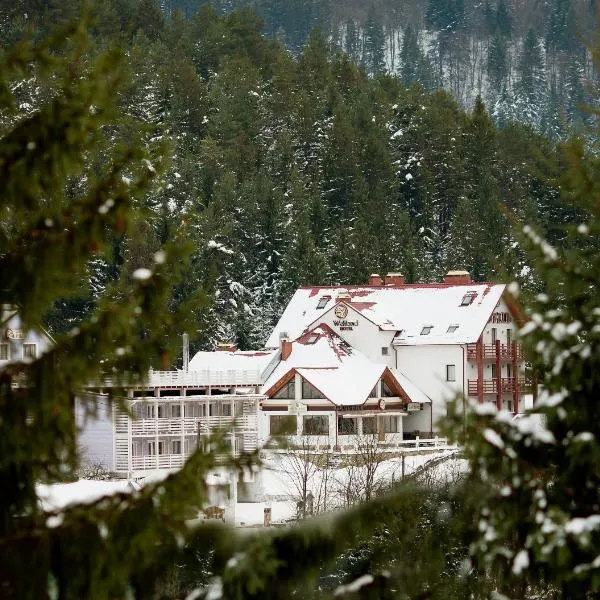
(426, 330)
(323, 300)
(312, 338)
(468, 298)
(452, 328)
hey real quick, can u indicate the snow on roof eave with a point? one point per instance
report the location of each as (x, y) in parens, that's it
(405, 382)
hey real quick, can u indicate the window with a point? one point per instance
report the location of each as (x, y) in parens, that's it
(494, 335)
(151, 448)
(194, 409)
(510, 406)
(386, 392)
(316, 425)
(309, 391)
(4, 355)
(369, 425)
(384, 351)
(508, 336)
(346, 426)
(468, 298)
(375, 391)
(390, 424)
(175, 411)
(176, 447)
(323, 300)
(29, 350)
(287, 392)
(160, 411)
(494, 371)
(509, 370)
(150, 411)
(219, 409)
(450, 372)
(162, 447)
(452, 328)
(282, 424)
(426, 330)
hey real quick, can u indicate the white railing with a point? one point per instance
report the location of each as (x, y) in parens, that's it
(352, 443)
(206, 377)
(161, 461)
(192, 425)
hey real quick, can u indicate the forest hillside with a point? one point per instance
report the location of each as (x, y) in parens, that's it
(296, 168)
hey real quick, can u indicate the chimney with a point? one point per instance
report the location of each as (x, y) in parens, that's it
(226, 347)
(375, 279)
(394, 279)
(286, 348)
(457, 277)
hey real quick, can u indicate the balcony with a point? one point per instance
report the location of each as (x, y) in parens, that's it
(205, 378)
(508, 352)
(192, 425)
(508, 385)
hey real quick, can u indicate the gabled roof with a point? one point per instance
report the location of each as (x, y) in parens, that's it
(405, 309)
(341, 373)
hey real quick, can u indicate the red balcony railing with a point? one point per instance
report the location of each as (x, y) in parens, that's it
(507, 385)
(489, 352)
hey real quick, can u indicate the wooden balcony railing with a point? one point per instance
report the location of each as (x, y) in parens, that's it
(508, 352)
(507, 385)
(192, 425)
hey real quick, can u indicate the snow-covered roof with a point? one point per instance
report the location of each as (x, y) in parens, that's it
(456, 313)
(220, 361)
(341, 373)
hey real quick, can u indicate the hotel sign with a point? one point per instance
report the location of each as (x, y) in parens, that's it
(413, 407)
(14, 334)
(341, 312)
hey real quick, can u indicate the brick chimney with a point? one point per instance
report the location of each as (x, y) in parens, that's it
(394, 279)
(457, 277)
(375, 279)
(226, 347)
(286, 348)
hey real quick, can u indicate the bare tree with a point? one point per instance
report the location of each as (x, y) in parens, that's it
(308, 472)
(358, 481)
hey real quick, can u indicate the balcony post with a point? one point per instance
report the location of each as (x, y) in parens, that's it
(515, 366)
(498, 376)
(479, 355)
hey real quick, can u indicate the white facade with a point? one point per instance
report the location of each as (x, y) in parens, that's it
(173, 413)
(18, 344)
(447, 339)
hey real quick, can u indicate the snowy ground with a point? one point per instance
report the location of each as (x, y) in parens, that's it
(279, 484)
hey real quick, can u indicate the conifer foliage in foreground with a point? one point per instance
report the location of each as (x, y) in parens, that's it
(536, 479)
(68, 178)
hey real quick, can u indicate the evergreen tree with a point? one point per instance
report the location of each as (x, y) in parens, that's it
(414, 64)
(352, 41)
(535, 479)
(54, 231)
(497, 64)
(374, 43)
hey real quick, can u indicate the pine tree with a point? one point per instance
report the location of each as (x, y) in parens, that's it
(112, 548)
(535, 479)
(497, 64)
(374, 43)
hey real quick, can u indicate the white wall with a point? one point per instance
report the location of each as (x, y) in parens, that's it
(425, 366)
(13, 322)
(366, 337)
(96, 436)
